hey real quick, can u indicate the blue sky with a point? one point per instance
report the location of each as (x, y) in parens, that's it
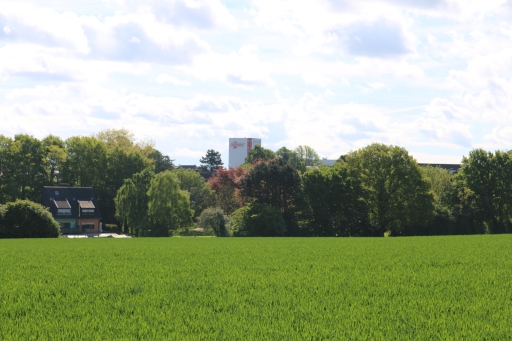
(433, 76)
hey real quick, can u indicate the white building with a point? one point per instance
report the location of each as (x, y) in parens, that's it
(239, 149)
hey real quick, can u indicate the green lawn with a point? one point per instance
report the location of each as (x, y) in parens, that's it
(421, 288)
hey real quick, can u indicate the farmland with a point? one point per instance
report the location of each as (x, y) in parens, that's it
(256, 288)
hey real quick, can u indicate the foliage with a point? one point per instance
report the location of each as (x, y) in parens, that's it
(442, 188)
(111, 228)
(307, 156)
(132, 203)
(225, 183)
(259, 153)
(291, 157)
(276, 184)
(23, 168)
(484, 198)
(168, 205)
(161, 162)
(428, 288)
(257, 220)
(201, 196)
(334, 201)
(86, 163)
(214, 218)
(211, 161)
(396, 193)
(121, 165)
(26, 219)
(55, 156)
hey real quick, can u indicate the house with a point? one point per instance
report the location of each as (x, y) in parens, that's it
(75, 208)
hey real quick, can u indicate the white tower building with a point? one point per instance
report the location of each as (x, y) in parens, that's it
(239, 149)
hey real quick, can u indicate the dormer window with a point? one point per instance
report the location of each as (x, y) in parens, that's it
(86, 207)
(63, 207)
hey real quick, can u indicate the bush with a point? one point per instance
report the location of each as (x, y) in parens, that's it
(214, 219)
(111, 228)
(258, 220)
(26, 219)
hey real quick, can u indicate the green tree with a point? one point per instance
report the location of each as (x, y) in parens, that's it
(256, 220)
(484, 198)
(168, 206)
(201, 196)
(132, 203)
(276, 184)
(214, 219)
(117, 138)
(290, 157)
(443, 192)
(335, 202)
(24, 170)
(86, 163)
(161, 162)
(55, 157)
(307, 156)
(259, 153)
(26, 219)
(396, 193)
(211, 161)
(121, 165)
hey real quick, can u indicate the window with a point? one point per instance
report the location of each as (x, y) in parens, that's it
(64, 211)
(87, 210)
(56, 193)
(87, 226)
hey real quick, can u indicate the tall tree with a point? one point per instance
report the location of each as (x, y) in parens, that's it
(225, 183)
(24, 170)
(291, 157)
(307, 156)
(484, 196)
(121, 165)
(276, 184)
(335, 202)
(168, 206)
(201, 196)
(211, 161)
(259, 153)
(441, 183)
(396, 193)
(161, 162)
(55, 157)
(86, 163)
(132, 203)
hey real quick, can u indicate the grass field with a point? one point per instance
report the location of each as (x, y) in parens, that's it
(421, 288)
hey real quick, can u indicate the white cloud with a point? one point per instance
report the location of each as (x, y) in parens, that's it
(242, 69)
(164, 78)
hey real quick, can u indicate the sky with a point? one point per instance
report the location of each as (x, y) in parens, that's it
(432, 76)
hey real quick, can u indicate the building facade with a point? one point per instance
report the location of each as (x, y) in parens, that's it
(74, 208)
(239, 148)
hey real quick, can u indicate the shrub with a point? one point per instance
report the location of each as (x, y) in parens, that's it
(26, 219)
(111, 228)
(258, 220)
(214, 219)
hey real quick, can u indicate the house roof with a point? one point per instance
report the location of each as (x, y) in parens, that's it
(86, 204)
(55, 197)
(62, 204)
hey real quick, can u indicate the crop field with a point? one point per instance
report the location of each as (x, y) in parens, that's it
(421, 288)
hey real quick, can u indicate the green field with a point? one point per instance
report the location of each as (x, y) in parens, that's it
(255, 288)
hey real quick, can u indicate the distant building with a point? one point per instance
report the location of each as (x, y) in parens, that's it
(74, 208)
(239, 148)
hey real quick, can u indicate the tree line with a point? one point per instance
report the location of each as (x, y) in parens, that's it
(102, 161)
(374, 191)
